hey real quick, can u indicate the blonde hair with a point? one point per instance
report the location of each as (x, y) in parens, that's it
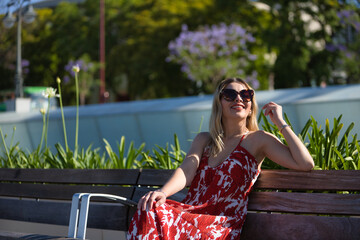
(216, 125)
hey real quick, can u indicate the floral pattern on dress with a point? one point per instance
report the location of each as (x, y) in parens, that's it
(214, 208)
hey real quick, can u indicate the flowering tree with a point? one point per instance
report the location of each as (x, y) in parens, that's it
(213, 53)
(347, 43)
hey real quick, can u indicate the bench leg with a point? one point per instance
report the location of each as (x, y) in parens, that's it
(84, 211)
(74, 214)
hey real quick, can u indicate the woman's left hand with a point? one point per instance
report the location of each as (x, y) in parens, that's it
(274, 111)
(295, 155)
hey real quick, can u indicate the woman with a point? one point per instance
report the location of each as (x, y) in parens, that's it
(221, 168)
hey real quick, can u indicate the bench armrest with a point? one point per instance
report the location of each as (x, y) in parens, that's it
(80, 209)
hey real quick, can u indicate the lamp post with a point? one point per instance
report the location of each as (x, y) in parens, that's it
(9, 20)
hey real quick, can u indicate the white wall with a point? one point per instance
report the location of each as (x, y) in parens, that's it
(156, 121)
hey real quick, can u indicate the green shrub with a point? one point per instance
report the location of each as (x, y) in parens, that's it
(162, 158)
(328, 150)
(122, 161)
(324, 145)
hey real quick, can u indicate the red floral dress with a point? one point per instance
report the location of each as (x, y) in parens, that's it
(214, 208)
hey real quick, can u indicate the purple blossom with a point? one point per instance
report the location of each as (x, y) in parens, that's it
(84, 66)
(341, 47)
(69, 66)
(66, 79)
(214, 48)
(349, 17)
(252, 80)
(168, 59)
(349, 55)
(330, 47)
(250, 38)
(345, 13)
(184, 68)
(357, 26)
(25, 63)
(255, 84)
(252, 57)
(240, 72)
(24, 66)
(184, 28)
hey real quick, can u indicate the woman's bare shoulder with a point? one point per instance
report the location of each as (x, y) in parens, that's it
(200, 141)
(261, 134)
(202, 138)
(257, 141)
(257, 134)
(262, 138)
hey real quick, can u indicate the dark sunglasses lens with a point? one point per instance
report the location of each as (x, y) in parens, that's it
(246, 95)
(229, 94)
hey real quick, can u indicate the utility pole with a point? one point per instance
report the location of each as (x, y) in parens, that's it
(102, 52)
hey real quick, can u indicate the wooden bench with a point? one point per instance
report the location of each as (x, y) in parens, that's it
(284, 204)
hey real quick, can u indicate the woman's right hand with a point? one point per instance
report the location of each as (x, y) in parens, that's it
(147, 201)
(181, 177)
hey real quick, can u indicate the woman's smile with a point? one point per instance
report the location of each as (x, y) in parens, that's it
(238, 106)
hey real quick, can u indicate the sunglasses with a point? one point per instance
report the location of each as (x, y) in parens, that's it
(230, 94)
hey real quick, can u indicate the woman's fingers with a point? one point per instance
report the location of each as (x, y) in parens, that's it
(271, 106)
(157, 198)
(150, 201)
(268, 108)
(147, 201)
(274, 111)
(160, 202)
(143, 201)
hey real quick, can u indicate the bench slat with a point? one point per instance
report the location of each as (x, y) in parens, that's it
(338, 180)
(61, 192)
(101, 215)
(154, 177)
(140, 191)
(79, 176)
(299, 227)
(320, 203)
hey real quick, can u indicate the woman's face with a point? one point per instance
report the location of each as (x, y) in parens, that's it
(237, 108)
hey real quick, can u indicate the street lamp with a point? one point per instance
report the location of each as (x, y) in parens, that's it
(9, 20)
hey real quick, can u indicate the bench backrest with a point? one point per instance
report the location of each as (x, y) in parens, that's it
(315, 204)
(29, 194)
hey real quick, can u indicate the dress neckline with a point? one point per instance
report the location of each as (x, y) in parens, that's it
(230, 154)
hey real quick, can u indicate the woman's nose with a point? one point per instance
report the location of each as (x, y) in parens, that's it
(238, 98)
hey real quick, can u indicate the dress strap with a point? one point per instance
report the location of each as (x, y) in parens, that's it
(243, 137)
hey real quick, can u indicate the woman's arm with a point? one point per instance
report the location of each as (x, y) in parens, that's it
(295, 155)
(181, 177)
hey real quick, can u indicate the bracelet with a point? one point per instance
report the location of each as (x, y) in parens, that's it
(283, 126)
(159, 190)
